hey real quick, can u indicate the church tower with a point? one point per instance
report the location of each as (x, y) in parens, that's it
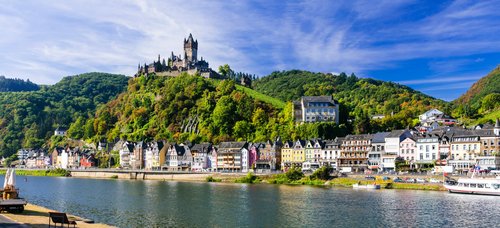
(190, 49)
(496, 129)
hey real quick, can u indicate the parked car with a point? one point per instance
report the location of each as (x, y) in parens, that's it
(420, 180)
(432, 180)
(386, 178)
(370, 178)
(410, 180)
(398, 180)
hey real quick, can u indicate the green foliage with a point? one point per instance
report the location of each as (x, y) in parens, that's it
(16, 85)
(322, 173)
(359, 98)
(250, 178)
(50, 172)
(28, 119)
(490, 102)
(161, 107)
(225, 70)
(294, 173)
(261, 97)
(212, 179)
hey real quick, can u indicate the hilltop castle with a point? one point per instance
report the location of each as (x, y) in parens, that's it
(177, 65)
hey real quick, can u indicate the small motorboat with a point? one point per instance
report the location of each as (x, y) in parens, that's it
(366, 186)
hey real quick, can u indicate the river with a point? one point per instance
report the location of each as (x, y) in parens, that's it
(135, 203)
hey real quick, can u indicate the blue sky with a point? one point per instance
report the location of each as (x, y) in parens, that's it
(437, 47)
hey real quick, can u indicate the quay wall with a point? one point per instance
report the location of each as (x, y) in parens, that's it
(144, 175)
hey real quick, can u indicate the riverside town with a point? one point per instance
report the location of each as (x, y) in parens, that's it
(426, 148)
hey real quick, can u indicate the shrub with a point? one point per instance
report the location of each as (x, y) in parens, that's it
(322, 173)
(250, 178)
(212, 179)
(294, 174)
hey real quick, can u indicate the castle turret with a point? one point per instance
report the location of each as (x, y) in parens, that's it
(191, 49)
(496, 129)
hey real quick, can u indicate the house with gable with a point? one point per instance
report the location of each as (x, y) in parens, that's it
(330, 152)
(201, 153)
(178, 158)
(253, 155)
(152, 155)
(269, 156)
(125, 152)
(137, 157)
(287, 155)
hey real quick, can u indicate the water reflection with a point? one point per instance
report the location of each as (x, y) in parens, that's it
(132, 203)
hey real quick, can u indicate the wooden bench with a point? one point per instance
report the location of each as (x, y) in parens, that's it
(62, 218)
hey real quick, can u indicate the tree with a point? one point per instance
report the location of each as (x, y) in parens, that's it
(225, 70)
(223, 116)
(490, 102)
(76, 129)
(242, 130)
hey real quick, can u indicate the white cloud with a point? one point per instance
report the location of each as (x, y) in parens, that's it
(56, 38)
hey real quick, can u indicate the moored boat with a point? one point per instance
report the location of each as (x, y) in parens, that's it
(486, 186)
(367, 186)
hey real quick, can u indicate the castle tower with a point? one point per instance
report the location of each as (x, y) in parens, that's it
(191, 49)
(496, 129)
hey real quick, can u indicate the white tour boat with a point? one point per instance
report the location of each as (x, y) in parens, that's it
(486, 186)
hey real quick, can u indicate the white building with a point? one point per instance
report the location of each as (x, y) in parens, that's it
(393, 140)
(126, 150)
(427, 148)
(316, 109)
(408, 149)
(378, 149)
(201, 154)
(429, 116)
(60, 131)
(331, 152)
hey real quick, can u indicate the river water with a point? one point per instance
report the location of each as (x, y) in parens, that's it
(135, 203)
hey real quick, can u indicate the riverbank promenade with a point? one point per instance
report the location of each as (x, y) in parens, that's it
(38, 217)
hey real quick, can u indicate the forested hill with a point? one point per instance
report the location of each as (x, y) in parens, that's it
(181, 108)
(16, 85)
(481, 103)
(358, 96)
(488, 86)
(28, 119)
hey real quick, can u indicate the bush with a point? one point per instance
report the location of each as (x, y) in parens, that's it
(250, 178)
(322, 173)
(212, 179)
(294, 174)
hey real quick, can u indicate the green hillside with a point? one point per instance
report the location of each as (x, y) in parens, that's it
(262, 97)
(487, 85)
(197, 109)
(16, 85)
(359, 97)
(28, 119)
(481, 101)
